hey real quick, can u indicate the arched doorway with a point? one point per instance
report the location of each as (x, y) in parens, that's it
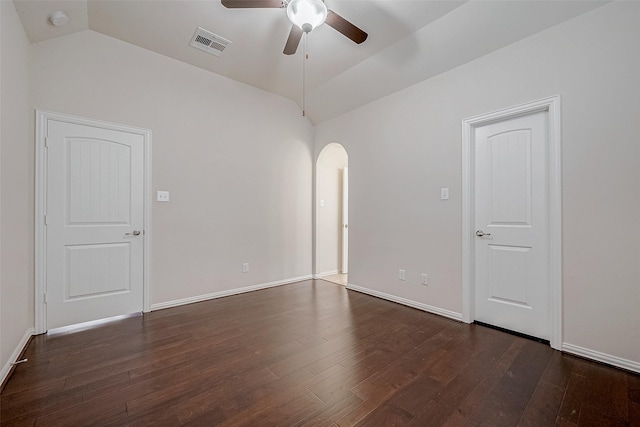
(331, 242)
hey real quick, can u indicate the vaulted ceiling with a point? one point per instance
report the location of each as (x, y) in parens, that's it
(409, 40)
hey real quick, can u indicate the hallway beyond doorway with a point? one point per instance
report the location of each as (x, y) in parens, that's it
(338, 279)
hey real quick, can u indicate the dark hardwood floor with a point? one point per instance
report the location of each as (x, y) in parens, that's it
(310, 353)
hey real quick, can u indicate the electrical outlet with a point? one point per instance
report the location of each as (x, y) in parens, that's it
(245, 267)
(401, 274)
(162, 196)
(424, 279)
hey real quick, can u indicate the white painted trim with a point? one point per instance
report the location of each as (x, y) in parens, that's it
(64, 330)
(314, 237)
(619, 362)
(221, 294)
(410, 303)
(555, 220)
(40, 231)
(344, 222)
(42, 119)
(6, 369)
(148, 203)
(552, 106)
(325, 274)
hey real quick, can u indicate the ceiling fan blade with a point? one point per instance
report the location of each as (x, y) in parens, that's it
(293, 41)
(250, 4)
(345, 27)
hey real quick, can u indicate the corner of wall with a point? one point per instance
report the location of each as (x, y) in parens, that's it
(17, 351)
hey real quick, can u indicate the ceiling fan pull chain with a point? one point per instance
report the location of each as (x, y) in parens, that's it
(305, 56)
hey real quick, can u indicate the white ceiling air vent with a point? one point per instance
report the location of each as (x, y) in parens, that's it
(209, 42)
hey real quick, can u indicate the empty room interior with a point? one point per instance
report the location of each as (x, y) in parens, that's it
(349, 212)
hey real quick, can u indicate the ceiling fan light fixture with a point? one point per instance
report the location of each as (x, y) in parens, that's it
(307, 14)
(58, 18)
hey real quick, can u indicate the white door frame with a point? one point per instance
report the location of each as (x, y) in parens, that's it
(42, 122)
(552, 107)
(344, 267)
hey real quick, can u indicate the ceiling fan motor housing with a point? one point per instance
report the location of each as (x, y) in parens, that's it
(307, 14)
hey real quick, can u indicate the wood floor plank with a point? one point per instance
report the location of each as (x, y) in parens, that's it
(335, 408)
(634, 387)
(386, 415)
(507, 400)
(413, 362)
(473, 402)
(574, 393)
(411, 398)
(339, 383)
(274, 395)
(372, 392)
(99, 413)
(607, 394)
(544, 405)
(634, 414)
(443, 409)
(12, 411)
(307, 354)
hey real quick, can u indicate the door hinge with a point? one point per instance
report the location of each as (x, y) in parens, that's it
(45, 297)
(45, 219)
(46, 142)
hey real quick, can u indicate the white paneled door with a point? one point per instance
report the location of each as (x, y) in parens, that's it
(94, 223)
(511, 235)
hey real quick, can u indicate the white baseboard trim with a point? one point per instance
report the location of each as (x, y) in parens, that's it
(16, 353)
(325, 274)
(420, 306)
(608, 359)
(227, 293)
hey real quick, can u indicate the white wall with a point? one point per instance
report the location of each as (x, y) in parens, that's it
(16, 189)
(3, 358)
(329, 166)
(237, 161)
(403, 148)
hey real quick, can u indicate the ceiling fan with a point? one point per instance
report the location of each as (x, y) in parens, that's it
(305, 15)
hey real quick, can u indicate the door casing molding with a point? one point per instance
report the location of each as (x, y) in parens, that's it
(550, 105)
(42, 121)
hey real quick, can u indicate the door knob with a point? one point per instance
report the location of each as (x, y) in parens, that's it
(135, 233)
(481, 233)
(346, 226)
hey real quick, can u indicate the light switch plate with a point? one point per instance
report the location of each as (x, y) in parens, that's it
(162, 196)
(444, 194)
